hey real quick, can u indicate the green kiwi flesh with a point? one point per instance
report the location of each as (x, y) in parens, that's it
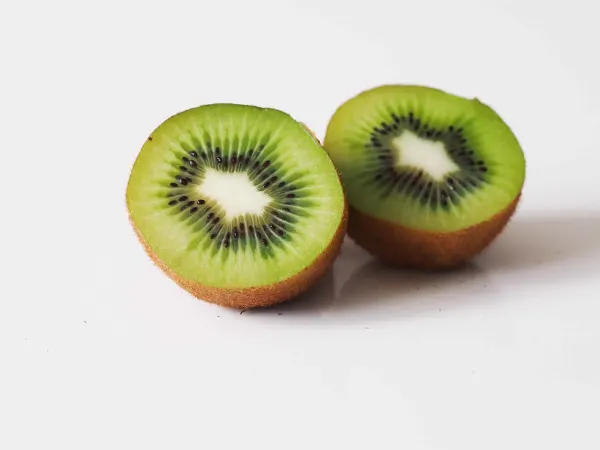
(424, 160)
(235, 197)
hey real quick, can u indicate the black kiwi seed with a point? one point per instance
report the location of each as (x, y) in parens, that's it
(218, 150)
(193, 163)
(235, 233)
(280, 232)
(183, 168)
(266, 163)
(183, 198)
(233, 160)
(213, 236)
(264, 241)
(174, 185)
(225, 244)
(185, 159)
(210, 216)
(201, 202)
(193, 210)
(172, 202)
(291, 195)
(242, 226)
(216, 219)
(219, 159)
(281, 184)
(193, 154)
(183, 181)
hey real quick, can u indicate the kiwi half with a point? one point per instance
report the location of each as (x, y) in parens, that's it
(239, 205)
(431, 178)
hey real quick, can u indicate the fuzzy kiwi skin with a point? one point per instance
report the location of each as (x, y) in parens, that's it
(267, 295)
(259, 296)
(423, 250)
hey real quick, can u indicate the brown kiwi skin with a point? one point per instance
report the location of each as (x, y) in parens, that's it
(423, 250)
(266, 295)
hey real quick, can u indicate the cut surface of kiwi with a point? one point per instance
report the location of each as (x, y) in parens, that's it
(235, 201)
(428, 162)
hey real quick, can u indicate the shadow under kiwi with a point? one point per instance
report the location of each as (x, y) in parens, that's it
(539, 240)
(529, 243)
(381, 291)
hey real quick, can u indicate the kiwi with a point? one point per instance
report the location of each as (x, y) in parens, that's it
(431, 177)
(239, 205)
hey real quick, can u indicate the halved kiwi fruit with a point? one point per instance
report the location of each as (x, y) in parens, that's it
(239, 205)
(431, 178)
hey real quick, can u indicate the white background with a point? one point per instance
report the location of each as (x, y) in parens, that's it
(99, 350)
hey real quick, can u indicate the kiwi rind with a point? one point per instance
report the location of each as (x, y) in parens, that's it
(390, 232)
(415, 249)
(260, 295)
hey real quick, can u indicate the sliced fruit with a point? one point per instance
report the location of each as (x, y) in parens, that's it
(433, 177)
(240, 205)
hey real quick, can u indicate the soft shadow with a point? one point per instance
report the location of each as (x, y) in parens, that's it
(534, 241)
(385, 291)
(528, 243)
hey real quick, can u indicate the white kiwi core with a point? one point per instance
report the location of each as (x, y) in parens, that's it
(429, 156)
(234, 192)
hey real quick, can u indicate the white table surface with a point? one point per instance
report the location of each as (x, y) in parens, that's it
(99, 350)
